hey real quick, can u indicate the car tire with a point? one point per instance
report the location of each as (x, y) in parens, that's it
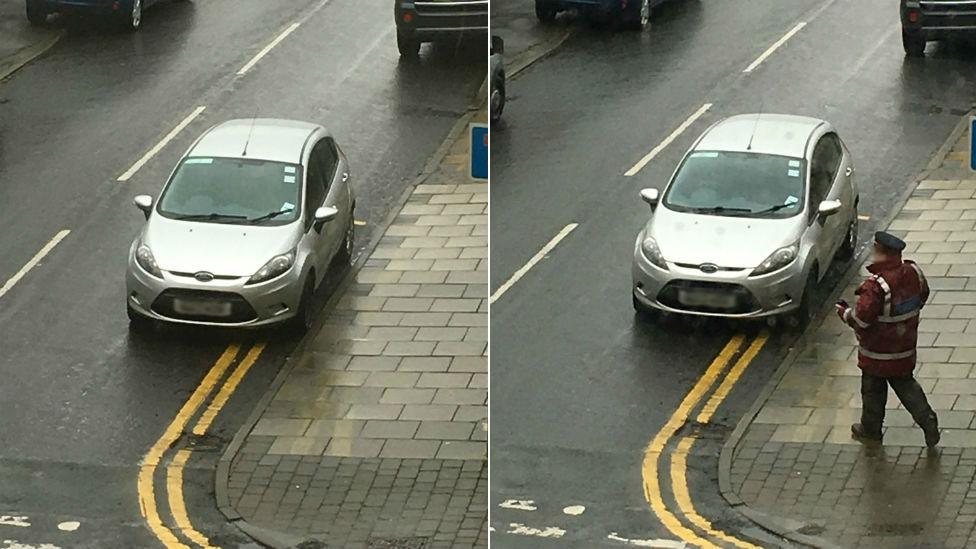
(805, 312)
(408, 45)
(849, 245)
(138, 322)
(639, 19)
(913, 43)
(349, 241)
(545, 12)
(498, 102)
(36, 13)
(131, 19)
(301, 323)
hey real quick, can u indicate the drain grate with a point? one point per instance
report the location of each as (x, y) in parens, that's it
(397, 543)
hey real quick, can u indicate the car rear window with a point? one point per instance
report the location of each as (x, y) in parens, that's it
(738, 184)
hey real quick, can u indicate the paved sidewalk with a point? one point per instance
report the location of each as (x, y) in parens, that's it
(526, 40)
(19, 42)
(796, 468)
(378, 435)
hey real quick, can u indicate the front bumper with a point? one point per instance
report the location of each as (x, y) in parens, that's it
(256, 305)
(431, 19)
(776, 293)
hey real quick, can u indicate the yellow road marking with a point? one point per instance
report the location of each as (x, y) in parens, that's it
(174, 489)
(652, 454)
(227, 389)
(145, 485)
(679, 459)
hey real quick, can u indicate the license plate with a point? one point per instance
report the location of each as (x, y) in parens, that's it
(201, 307)
(715, 300)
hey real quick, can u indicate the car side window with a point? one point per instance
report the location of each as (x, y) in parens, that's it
(823, 169)
(315, 184)
(328, 160)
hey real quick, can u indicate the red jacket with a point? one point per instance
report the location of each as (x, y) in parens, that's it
(885, 317)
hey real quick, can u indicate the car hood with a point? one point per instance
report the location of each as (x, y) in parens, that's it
(217, 248)
(734, 242)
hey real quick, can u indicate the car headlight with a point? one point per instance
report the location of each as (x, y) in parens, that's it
(145, 259)
(652, 252)
(776, 261)
(277, 266)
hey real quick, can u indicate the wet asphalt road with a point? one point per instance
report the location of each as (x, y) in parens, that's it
(82, 400)
(579, 386)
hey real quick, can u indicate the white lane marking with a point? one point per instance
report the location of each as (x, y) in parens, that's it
(69, 526)
(267, 49)
(14, 544)
(159, 146)
(520, 529)
(776, 45)
(33, 261)
(574, 510)
(520, 504)
(535, 259)
(667, 141)
(14, 520)
(657, 543)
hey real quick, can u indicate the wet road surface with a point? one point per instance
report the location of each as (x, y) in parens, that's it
(82, 399)
(579, 385)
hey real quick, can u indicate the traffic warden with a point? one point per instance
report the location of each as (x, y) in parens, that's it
(885, 320)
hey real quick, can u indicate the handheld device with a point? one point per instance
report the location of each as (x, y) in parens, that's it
(842, 303)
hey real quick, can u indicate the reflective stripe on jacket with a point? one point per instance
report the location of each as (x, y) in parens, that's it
(886, 315)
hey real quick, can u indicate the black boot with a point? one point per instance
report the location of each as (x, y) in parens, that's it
(859, 432)
(932, 434)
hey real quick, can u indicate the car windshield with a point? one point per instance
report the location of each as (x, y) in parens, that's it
(738, 184)
(233, 190)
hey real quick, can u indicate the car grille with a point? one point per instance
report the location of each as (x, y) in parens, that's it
(452, 15)
(241, 310)
(718, 268)
(744, 302)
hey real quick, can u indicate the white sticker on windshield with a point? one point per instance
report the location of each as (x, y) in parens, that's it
(794, 163)
(198, 161)
(705, 155)
(287, 206)
(793, 173)
(289, 179)
(790, 200)
(289, 169)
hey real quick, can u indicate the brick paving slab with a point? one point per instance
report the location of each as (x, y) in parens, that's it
(377, 436)
(795, 466)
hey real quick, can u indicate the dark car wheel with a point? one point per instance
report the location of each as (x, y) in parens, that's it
(498, 101)
(545, 12)
(849, 246)
(806, 311)
(638, 17)
(130, 18)
(305, 315)
(408, 45)
(349, 242)
(914, 44)
(36, 13)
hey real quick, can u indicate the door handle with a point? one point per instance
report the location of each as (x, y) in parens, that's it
(850, 171)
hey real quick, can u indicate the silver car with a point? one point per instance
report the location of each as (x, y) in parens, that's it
(245, 229)
(750, 221)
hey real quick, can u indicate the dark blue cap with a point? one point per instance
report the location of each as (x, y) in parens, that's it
(889, 241)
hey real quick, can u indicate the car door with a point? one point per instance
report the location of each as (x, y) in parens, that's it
(335, 197)
(824, 164)
(315, 193)
(840, 190)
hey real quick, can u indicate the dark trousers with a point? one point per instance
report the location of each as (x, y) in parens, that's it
(874, 396)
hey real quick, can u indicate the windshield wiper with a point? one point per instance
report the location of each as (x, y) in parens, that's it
(772, 209)
(269, 215)
(213, 216)
(721, 209)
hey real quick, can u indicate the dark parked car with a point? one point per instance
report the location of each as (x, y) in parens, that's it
(924, 20)
(427, 20)
(128, 13)
(496, 72)
(632, 14)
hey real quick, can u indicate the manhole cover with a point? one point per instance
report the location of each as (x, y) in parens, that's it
(397, 543)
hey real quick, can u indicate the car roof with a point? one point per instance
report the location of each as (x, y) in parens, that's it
(780, 134)
(266, 139)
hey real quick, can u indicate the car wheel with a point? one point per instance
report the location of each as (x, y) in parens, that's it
(349, 242)
(305, 315)
(36, 14)
(408, 45)
(640, 18)
(849, 246)
(545, 12)
(498, 101)
(913, 43)
(805, 312)
(138, 322)
(131, 19)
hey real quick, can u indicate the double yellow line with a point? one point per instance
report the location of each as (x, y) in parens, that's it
(700, 526)
(174, 469)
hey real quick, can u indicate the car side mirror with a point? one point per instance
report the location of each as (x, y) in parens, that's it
(145, 203)
(323, 215)
(497, 45)
(829, 207)
(651, 196)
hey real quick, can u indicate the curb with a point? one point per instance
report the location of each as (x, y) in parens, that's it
(534, 53)
(21, 58)
(273, 538)
(789, 528)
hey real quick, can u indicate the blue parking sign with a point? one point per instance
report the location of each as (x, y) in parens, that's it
(972, 143)
(478, 151)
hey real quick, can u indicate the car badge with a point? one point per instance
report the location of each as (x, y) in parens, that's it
(708, 268)
(204, 276)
